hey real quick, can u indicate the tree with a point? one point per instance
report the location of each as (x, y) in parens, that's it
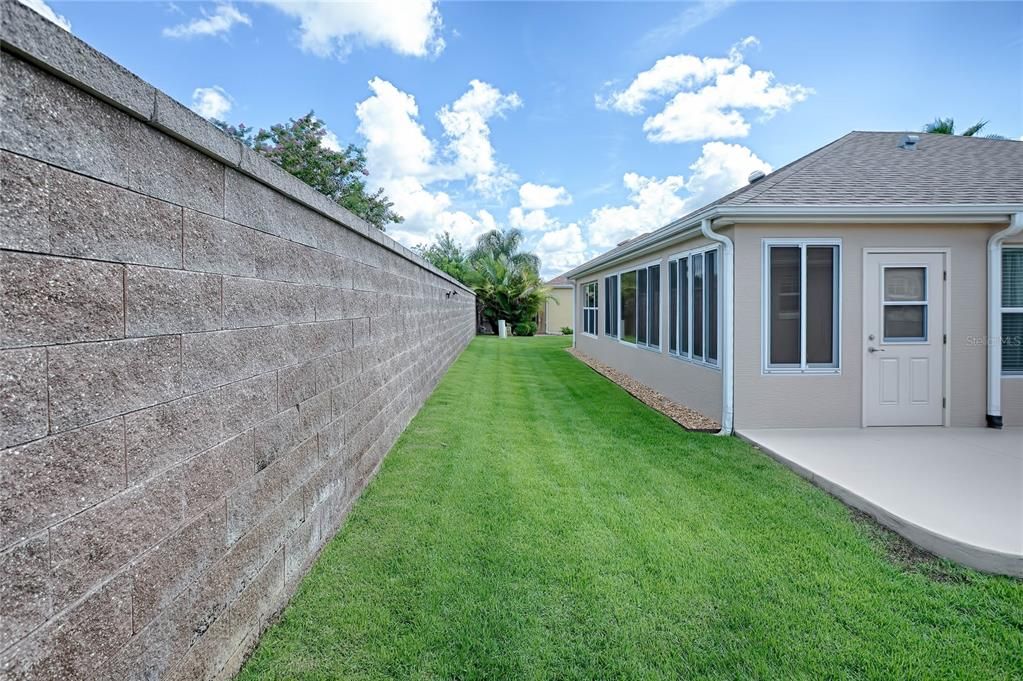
(447, 256)
(297, 146)
(505, 278)
(507, 290)
(947, 126)
(508, 243)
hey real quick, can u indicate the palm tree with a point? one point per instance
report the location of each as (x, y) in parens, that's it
(497, 243)
(947, 126)
(506, 290)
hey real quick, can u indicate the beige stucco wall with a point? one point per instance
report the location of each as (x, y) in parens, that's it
(766, 401)
(557, 312)
(693, 385)
(780, 401)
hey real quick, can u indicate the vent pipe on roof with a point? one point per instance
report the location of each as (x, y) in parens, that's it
(755, 175)
(909, 142)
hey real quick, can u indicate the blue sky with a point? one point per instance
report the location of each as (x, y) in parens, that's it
(582, 123)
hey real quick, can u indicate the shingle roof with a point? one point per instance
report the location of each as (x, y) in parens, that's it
(870, 168)
(560, 280)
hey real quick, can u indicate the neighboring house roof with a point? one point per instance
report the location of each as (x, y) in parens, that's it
(871, 169)
(559, 281)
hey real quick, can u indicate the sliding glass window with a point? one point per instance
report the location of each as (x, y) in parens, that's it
(801, 306)
(611, 306)
(641, 306)
(590, 308)
(693, 315)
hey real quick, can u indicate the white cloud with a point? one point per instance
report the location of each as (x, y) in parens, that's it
(408, 27)
(560, 250)
(42, 8)
(531, 221)
(330, 141)
(405, 162)
(223, 19)
(211, 102)
(654, 203)
(708, 96)
(465, 126)
(541, 196)
(396, 144)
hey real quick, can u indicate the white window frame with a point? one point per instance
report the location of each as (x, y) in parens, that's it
(687, 356)
(618, 284)
(1010, 310)
(660, 306)
(765, 308)
(925, 304)
(596, 309)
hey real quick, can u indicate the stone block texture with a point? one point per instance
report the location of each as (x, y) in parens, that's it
(202, 364)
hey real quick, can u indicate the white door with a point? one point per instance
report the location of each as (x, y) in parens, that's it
(903, 339)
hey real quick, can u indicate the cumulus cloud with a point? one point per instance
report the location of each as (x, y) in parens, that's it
(541, 196)
(403, 159)
(560, 250)
(531, 220)
(224, 17)
(653, 203)
(326, 29)
(465, 125)
(211, 102)
(707, 96)
(330, 141)
(42, 8)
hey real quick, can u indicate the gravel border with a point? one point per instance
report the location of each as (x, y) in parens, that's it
(683, 416)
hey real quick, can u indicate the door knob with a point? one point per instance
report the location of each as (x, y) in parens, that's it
(872, 349)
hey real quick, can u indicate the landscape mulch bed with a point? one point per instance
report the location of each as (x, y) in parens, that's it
(684, 416)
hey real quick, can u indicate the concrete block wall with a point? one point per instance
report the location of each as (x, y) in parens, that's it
(202, 364)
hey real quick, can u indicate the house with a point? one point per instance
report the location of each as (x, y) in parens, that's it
(557, 312)
(877, 281)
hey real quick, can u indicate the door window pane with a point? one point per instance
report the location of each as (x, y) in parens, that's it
(628, 285)
(905, 323)
(1012, 342)
(673, 306)
(820, 305)
(904, 283)
(641, 307)
(697, 264)
(785, 304)
(654, 305)
(711, 264)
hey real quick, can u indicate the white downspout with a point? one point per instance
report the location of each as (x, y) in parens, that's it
(727, 325)
(575, 313)
(994, 319)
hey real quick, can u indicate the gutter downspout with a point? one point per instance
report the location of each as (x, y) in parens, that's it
(994, 319)
(727, 325)
(575, 312)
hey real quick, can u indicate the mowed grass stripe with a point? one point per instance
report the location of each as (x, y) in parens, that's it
(535, 521)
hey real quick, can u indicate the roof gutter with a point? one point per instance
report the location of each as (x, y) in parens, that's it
(727, 324)
(994, 319)
(726, 215)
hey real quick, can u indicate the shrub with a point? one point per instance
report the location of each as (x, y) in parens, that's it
(566, 330)
(525, 329)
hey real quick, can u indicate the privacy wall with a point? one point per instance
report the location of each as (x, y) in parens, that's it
(203, 362)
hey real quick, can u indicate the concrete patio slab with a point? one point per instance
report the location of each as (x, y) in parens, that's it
(957, 492)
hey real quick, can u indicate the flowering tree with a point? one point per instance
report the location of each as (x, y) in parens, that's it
(297, 146)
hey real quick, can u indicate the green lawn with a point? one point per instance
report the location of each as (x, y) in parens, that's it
(535, 521)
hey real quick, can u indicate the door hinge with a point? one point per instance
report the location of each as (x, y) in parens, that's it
(942, 402)
(944, 276)
(944, 339)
